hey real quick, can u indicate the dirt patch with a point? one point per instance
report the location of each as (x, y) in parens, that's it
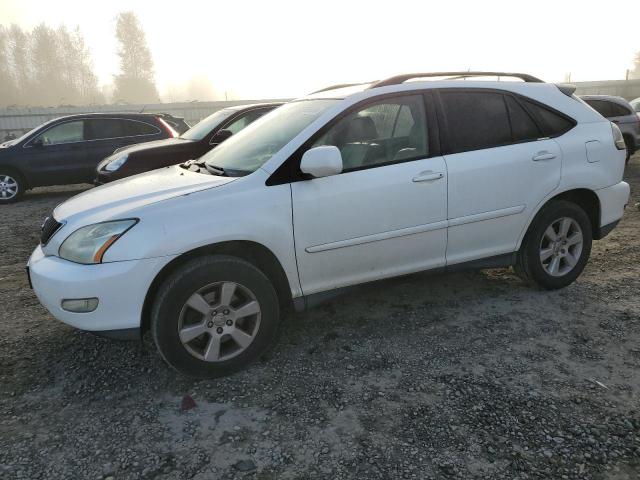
(469, 375)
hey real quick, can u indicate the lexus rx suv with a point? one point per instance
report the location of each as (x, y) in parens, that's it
(345, 186)
(192, 144)
(68, 149)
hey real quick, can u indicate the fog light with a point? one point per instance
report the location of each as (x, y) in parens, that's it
(80, 305)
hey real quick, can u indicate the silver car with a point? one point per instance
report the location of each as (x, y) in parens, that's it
(622, 113)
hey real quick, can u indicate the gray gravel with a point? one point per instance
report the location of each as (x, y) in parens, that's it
(468, 376)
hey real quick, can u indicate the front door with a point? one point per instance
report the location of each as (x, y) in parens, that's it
(383, 216)
(56, 156)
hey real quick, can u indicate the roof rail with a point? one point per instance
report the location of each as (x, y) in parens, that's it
(341, 85)
(456, 75)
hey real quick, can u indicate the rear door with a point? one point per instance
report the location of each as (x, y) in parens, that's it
(56, 156)
(501, 165)
(105, 135)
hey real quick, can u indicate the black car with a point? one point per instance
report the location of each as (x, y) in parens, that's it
(192, 144)
(66, 150)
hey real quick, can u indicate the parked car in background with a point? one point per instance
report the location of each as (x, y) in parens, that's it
(68, 149)
(636, 105)
(620, 112)
(192, 144)
(338, 188)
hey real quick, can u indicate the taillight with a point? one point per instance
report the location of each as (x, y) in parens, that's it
(618, 139)
(172, 133)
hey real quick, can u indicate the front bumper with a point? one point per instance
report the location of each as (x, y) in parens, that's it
(121, 288)
(613, 201)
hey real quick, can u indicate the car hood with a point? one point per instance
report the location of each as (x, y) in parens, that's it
(164, 144)
(126, 195)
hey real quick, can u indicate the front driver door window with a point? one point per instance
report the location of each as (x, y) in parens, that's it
(380, 134)
(68, 132)
(56, 155)
(386, 213)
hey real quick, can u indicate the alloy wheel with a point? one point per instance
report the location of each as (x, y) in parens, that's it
(8, 187)
(219, 321)
(561, 246)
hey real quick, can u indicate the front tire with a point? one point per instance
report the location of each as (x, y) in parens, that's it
(557, 246)
(12, 187)
(214, 315)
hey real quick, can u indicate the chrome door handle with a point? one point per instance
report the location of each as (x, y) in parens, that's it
(428, 176)
(543, 156)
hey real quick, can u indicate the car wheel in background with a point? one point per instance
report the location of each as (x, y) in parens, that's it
(556, 247)
(214, 315)
(12, 187)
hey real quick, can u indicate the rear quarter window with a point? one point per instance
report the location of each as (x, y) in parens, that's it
(552, 123)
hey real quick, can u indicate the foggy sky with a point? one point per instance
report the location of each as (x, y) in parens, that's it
(261, 49)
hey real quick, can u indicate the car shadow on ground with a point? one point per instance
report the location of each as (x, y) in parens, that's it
(46, 193)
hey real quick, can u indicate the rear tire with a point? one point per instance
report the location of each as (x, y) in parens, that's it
(214, 315)
(12, 187)
(557, 245)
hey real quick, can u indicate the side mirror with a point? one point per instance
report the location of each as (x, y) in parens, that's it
(38, 143)
(220, 136)
(322, 161)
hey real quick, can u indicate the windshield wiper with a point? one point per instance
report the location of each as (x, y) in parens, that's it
(219, 171)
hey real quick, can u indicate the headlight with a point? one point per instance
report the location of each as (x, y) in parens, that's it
(116, 163)
(89, 244)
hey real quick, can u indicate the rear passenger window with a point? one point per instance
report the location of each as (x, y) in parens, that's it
(476, 120)
(523, 128)
(102, 129)
(106, 128)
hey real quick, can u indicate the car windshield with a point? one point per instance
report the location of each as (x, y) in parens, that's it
(204, 126)
(253, 146)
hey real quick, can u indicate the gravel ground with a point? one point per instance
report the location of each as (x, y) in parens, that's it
(469, 375)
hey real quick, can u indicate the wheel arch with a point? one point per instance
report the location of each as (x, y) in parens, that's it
(16, 171)
(253, 252)
(585, 198)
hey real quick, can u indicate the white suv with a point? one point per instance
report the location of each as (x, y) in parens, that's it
(345, 186)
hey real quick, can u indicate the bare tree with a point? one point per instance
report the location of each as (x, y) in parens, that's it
(87, 81)
(8, 88)
(20, 62)
(135, 83)
(49, 83)
(46, 67)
